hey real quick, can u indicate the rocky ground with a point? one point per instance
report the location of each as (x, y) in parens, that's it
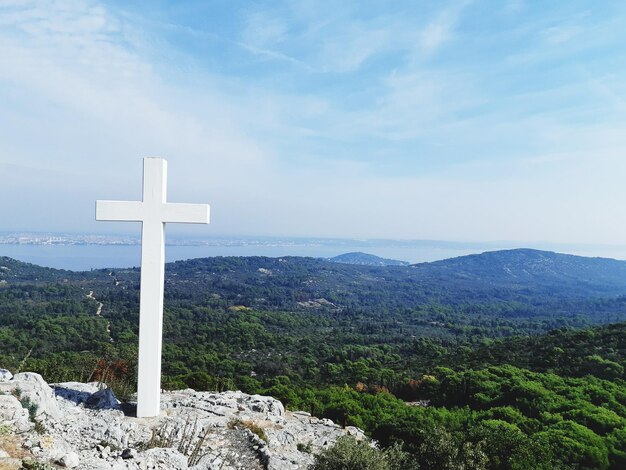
(83, 426)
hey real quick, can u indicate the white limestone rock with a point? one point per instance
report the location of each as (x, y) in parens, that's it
(13, 414)
(33, 387)
(5, 375)
(266, 405)
(69, 460)
(76, 391)
(163, 459)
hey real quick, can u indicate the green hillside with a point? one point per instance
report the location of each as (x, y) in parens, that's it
(488, 348)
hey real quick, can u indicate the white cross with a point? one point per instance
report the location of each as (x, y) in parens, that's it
(153, 212)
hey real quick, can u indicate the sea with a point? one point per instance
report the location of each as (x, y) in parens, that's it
(84, 257)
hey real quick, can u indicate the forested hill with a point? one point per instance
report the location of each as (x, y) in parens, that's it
(16, 271)
(520, 276)
(534, 267)
(524, 280)
(366, 260)
(508, 274)
(496, 292)
(507, 268)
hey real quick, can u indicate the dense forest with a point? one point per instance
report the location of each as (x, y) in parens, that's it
(512, 359)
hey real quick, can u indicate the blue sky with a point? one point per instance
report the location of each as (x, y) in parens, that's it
(456, 120)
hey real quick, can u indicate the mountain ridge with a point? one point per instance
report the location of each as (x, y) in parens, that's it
(526, 263)
(365, 259)
(6, 260)
(507, 273)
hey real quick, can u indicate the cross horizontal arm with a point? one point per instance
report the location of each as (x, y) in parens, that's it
(124, 211)
(186, 213)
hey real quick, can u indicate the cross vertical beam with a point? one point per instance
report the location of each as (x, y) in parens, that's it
(152, 288)
(153, 212)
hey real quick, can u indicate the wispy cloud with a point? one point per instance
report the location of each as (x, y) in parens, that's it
(441, 29)
(250, 47)
(264, 29)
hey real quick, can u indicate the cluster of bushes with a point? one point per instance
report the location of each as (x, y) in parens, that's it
(504, 417)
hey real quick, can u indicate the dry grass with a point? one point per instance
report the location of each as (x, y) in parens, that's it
(12, 445)
(189, 440)
(251, 425)
(8, 466)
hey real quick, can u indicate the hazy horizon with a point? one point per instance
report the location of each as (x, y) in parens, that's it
(107, 251)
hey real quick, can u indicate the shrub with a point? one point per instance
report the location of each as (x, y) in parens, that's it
(350, 454)
(305, 448)
(30, 406)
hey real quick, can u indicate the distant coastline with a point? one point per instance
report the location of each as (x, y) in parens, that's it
(37, 238)
(92, 251)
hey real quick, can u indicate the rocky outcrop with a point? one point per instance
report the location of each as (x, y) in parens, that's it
(84, 426)
(31, 388)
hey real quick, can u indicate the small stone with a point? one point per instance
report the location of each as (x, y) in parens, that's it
(4, 454)
(129, 454)
(69, 460)
(5, 375)
(102, 400)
